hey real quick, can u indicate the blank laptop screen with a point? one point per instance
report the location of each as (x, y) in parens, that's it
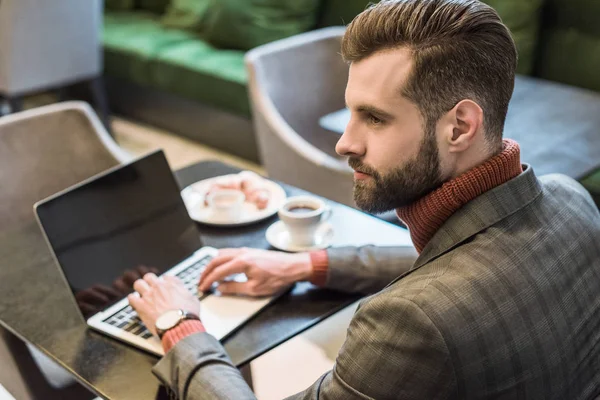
(109, 231)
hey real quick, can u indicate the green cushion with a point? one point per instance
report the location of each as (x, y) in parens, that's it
(570, 43)
(138, 48)
(243, 24)
(570, 56)
(579, 14)
(341, 12)
(186, 14)
(155, 6)
(198, 71)
(131, 40)
(521, 16)
(523, 19)
(119, 4)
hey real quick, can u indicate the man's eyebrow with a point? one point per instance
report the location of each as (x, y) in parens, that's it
(369, 109)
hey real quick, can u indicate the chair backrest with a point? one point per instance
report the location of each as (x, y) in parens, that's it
(293, 83)
(46, 44)
(305, 77)
(43, 151)
(47, 149)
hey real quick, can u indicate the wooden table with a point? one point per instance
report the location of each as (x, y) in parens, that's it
(37, 306)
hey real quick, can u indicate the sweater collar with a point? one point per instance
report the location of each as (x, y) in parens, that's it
(426, 215)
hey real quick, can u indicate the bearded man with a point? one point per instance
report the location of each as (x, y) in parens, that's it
(502, 301)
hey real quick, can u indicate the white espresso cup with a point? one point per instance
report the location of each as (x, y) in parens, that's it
(302, 215)
(226, 205)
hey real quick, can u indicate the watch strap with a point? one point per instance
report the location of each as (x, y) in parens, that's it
(185, 315)
(189, 315)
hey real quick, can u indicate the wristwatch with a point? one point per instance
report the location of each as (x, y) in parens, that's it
(171, 319)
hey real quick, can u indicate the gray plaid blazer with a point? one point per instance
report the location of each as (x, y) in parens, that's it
(503, 302)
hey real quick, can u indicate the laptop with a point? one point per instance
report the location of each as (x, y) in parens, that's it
(109, 230)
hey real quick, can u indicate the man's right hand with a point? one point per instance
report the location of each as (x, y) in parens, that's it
(268, 272)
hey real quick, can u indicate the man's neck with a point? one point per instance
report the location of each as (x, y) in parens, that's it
(425, 216)
(477, 154)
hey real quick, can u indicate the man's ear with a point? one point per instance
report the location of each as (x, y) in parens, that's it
(465, 123)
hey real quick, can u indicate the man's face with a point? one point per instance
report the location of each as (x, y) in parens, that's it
(394, 155)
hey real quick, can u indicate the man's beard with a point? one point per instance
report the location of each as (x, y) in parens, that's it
(402, 186)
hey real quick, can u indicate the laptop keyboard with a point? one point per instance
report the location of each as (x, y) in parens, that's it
(128, 320)
(191, 275)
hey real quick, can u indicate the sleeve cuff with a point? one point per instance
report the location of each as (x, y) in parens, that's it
(184, 329)
(320, 267)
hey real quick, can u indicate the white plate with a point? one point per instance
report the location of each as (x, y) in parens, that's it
(278, 237)
(193, 197)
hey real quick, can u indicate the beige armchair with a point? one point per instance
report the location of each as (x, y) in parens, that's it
(293, 83)
(43, 151)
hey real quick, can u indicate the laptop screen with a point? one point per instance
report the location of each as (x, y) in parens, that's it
(110, 230)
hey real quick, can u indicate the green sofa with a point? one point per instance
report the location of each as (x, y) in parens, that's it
(174, 79)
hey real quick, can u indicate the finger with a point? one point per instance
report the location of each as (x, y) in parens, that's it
(234, 266)
(224, 255)
(151, 279)
(243, 288)
(135, 301)
(141, 286)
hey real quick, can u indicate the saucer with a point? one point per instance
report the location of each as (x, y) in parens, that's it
(278, 237)
(194, 195)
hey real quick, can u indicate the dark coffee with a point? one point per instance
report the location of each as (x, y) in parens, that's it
(301, 209)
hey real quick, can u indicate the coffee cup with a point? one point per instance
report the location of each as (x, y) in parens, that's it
(302, 215)
(226, 204)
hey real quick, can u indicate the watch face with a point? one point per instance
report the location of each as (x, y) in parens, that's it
(169, 319)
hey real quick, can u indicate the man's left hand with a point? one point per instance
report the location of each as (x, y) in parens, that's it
(155, 296)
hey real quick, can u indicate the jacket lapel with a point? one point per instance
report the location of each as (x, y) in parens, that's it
(479, 214)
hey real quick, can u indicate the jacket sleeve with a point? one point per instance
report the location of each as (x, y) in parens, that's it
(367, 269)
(198, 368)
(392, 351)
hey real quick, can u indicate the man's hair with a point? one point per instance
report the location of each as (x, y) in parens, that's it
(460, 50)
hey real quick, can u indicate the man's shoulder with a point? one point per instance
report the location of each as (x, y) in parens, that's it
(565, 206)
(496, 255)
(563, 187)
(505, 286)
(559, 180)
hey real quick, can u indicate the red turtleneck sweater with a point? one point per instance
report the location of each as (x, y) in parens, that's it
(423, 217)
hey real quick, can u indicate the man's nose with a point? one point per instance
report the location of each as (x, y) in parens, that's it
(350, 144)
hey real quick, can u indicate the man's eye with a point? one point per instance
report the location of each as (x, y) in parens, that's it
(374, 120)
